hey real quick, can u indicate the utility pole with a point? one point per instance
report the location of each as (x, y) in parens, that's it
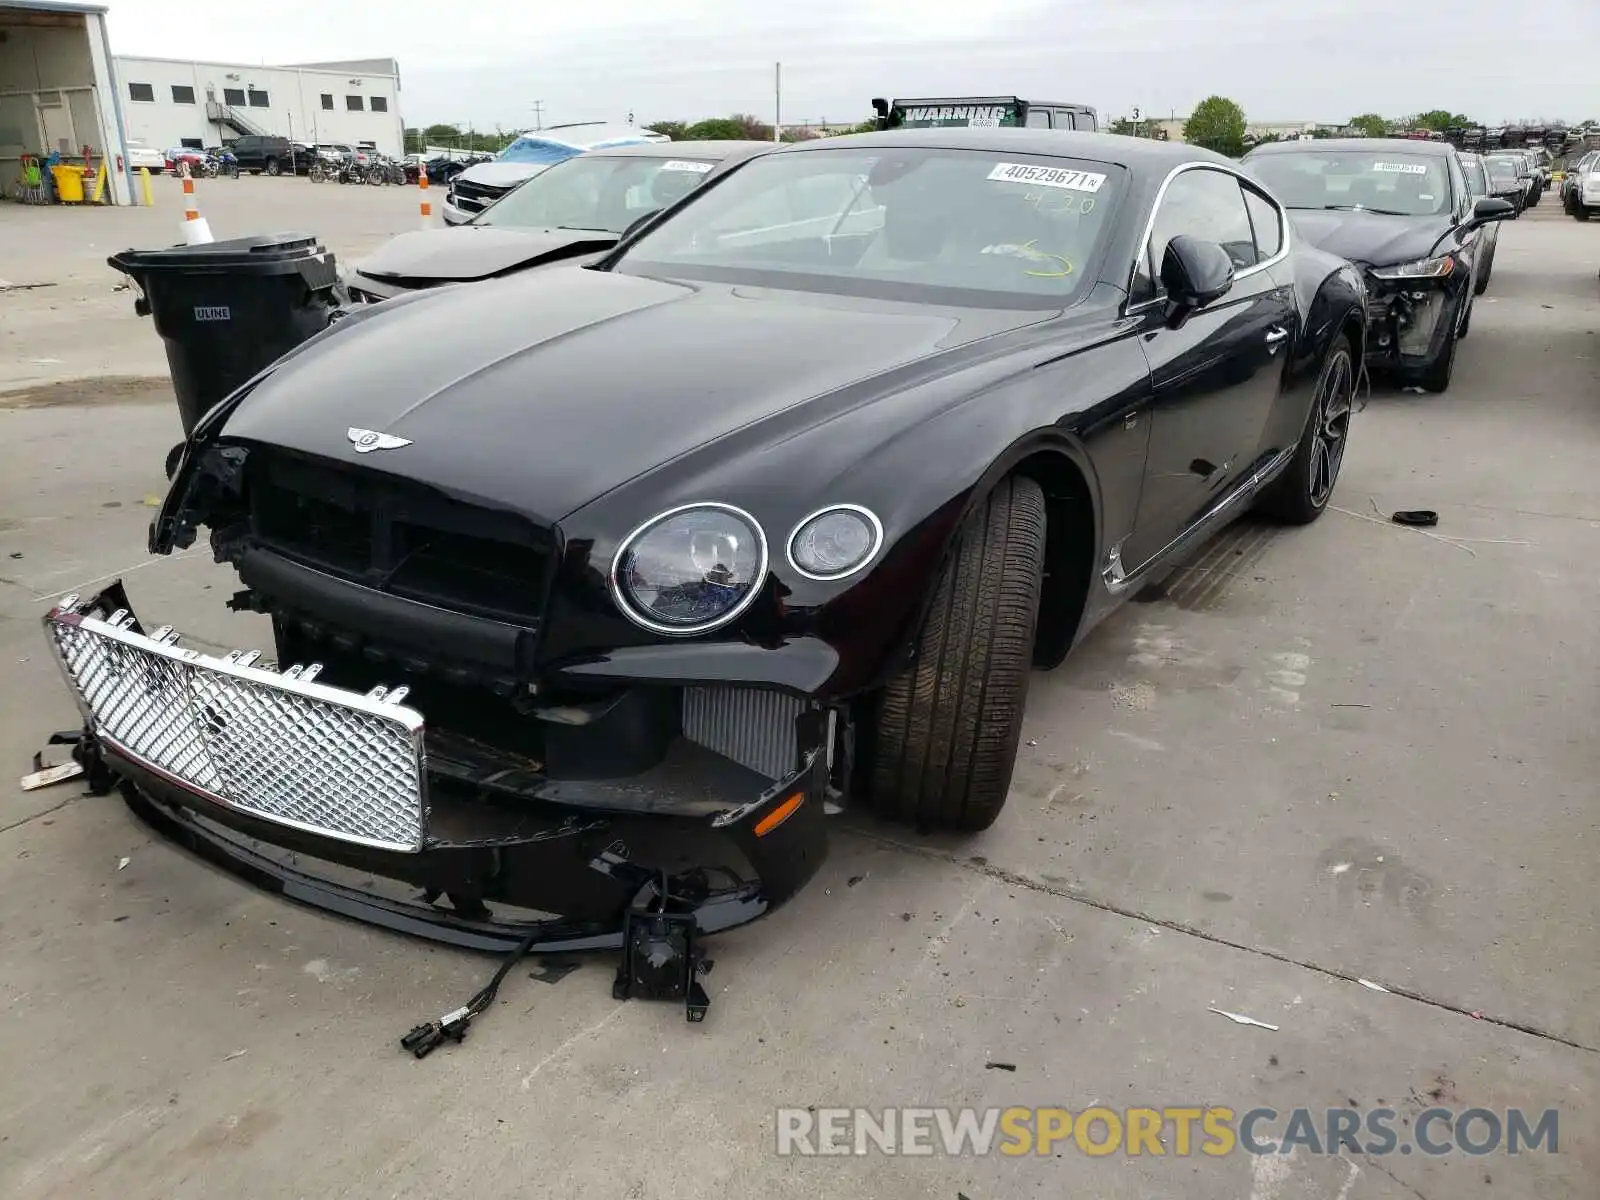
(538, 114)
(777, 102)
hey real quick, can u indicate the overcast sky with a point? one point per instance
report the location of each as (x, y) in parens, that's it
(487, 61)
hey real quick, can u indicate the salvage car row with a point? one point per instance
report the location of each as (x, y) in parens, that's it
(1408, 216)
(758, 482)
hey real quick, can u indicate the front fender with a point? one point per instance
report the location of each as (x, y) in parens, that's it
(173, 526)
(1333, 299)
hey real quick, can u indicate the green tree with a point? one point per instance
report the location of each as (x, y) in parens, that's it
(870, 125)
(714, 129)
(1123, 126)
(738, 127)
(442, 133)
(676, 130)
(1217, 123)
(1370, 125)
(1440, 119)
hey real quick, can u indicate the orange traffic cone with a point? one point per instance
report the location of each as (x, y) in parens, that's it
(196, 232)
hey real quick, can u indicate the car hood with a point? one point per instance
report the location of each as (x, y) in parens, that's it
(1374, 239)
(543, 391)
(468, 252)
(501, 174)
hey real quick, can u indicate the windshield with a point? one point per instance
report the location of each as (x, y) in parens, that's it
(1381, 181)
(593, 192)
(1514, 165)
(530, 149)
(1477, 181)
(937, 226)
(537, 150)
(1500, 170)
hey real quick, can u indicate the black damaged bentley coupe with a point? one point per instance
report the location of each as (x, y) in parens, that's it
(773, 509)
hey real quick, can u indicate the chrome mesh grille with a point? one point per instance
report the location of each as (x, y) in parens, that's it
(752, 726)
(302, 754)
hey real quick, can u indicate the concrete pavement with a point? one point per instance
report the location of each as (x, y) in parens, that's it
(1313, 757)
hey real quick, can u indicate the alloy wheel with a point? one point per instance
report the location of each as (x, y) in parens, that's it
(1334, 401)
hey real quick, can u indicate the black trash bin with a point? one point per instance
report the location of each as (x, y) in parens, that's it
(226, 310)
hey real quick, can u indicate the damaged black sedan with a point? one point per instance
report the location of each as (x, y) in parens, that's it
(1404, 213)
(771, 511)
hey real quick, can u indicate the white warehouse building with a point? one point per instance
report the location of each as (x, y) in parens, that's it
(170, 102)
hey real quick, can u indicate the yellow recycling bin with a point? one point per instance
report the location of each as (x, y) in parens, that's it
(69, 184)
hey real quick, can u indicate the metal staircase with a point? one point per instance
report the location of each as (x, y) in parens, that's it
(223, 114)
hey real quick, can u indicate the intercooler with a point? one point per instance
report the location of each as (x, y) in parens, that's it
(754, 727)
(277, 746)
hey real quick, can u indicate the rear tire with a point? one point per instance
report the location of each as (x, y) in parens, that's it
(947, 727)
(1580, 212)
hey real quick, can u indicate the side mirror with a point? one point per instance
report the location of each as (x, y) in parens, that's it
(1194, 273)
(1490, 209)
(636, 223)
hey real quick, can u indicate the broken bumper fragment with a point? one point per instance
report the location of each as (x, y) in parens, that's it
(319, 793)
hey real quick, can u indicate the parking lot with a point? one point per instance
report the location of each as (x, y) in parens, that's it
(1337, 779)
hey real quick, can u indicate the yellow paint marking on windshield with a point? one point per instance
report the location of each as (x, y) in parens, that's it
(1065, 262)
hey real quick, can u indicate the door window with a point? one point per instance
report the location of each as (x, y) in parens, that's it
(1205, 204)
(1038, 118)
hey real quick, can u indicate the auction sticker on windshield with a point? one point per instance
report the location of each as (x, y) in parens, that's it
(683, 164)
(1401, 168)
(1056, 177)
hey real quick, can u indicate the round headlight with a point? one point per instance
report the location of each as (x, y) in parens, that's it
(835, 542)
(690, 569)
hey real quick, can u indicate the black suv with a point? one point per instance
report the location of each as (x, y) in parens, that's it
(273, 155)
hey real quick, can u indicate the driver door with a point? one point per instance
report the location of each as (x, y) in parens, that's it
(1217, 377)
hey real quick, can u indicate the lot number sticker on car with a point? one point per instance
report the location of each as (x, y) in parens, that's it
(1056, 177)
(683, 164)
(1401, 168)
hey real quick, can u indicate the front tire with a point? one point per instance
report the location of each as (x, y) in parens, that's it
(947, 727)
(273, 167)
(1300, 494)
(1436, 376)
(1581, 211)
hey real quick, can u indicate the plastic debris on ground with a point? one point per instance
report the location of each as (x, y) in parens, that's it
(1241, 1019)
(51, 775)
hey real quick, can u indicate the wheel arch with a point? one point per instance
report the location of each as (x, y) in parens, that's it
(1063, 469)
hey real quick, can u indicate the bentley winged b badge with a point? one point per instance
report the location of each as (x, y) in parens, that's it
(367, 440)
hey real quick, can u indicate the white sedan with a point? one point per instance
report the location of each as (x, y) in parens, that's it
(142, 155)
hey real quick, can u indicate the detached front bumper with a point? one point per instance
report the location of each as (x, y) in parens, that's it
(258, 770)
